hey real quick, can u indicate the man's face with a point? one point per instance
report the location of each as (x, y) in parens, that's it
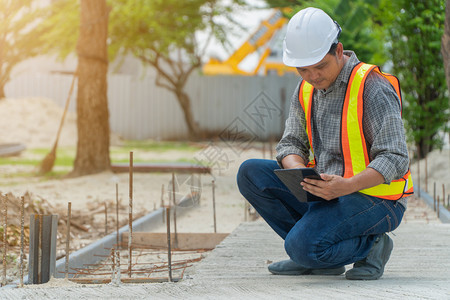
(324, 73)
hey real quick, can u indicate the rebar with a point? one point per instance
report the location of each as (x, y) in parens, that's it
(130, 217)
(113, 265)
(434, 195)
(162, 204)
(162, 195)
(5, 240)
(106, 219)
(169, 252)
(437, 206)
(69, 212)
(118, 280)
(148, 266)
(117, 215)
(22, 235)
(174, 211)
(214, 204)
(443, 194)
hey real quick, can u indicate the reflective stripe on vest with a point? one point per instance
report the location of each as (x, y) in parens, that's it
(354, 149)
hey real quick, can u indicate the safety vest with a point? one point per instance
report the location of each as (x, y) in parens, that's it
(353, 142)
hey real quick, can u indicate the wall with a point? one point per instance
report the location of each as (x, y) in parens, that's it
(141, 110)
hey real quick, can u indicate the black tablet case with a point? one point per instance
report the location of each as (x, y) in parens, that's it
(292, 178)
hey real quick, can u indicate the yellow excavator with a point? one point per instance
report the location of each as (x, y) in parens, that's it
(264, 36)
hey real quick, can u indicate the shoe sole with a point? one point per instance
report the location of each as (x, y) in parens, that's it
(337, 271)
(325, 272)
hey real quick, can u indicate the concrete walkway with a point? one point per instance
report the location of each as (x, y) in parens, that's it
(419, 268)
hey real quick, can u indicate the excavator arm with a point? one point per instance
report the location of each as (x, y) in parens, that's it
(258, 39)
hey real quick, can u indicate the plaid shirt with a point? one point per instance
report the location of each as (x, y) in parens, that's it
(382, 125)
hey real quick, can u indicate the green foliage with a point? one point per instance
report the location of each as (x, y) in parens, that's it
(18, 37)
(415, 34)
(156, 26)
(58, 33)
(360, 30)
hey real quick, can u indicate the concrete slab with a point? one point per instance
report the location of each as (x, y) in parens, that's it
(419, 269)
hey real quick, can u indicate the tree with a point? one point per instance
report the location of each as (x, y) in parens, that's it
(415, 38)
(161, 33)
(446, 44)
(18, 41)
(164, 35)
(92, 105)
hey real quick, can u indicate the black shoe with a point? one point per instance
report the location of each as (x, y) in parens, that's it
(289, 267)
(372, 267)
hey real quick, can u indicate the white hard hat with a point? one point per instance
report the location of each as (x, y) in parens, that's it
(309, 36)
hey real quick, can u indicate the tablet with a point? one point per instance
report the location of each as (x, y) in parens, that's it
(292, 178)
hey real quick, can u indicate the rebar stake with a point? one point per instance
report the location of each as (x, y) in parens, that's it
(162, 203)
(117, 271)
(106, 219)
(434, 195)
(437, 206)
(443, 194)
(5, 239)
(169, 250)
(22, 234)
(162, 195)
(174, 211)
(130, 216)
(214, 204)
(113, 265)
(69, 213)
(117, 215)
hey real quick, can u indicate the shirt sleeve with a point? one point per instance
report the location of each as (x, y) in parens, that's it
(383, 128)
(295, 139)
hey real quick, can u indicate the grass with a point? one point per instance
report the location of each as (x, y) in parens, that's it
(65, 156)
(155, 146)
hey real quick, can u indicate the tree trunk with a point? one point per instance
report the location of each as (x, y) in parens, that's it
(2, 92)
(185, 103)
(92, 103)
(446, 44)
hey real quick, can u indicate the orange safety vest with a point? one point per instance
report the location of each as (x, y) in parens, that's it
(353, 142)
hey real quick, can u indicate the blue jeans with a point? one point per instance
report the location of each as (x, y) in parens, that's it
(323, 234)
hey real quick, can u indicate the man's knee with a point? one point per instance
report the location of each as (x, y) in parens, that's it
(301, 249)
(245, 174)
(249, 169)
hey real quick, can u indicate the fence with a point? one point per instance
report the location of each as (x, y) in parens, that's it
(141, 110)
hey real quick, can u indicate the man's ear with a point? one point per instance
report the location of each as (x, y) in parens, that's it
(340, 50)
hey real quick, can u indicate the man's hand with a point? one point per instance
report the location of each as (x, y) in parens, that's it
(334, 186)
(331, 187)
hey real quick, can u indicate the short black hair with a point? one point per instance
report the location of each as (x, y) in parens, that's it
(333, 48)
